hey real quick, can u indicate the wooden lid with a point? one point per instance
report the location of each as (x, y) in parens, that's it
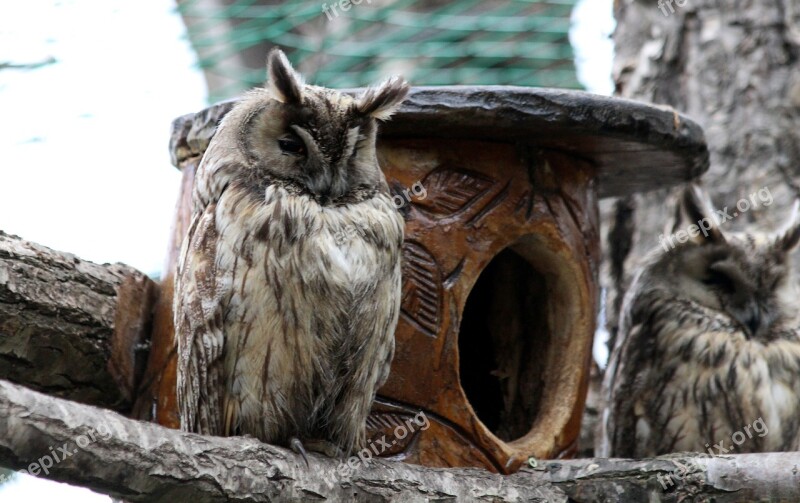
(636, 146)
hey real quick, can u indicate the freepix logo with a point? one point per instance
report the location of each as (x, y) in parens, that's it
(667, 4)
(759, 427)
(378, 446)
(345, 5)
(416, 192)
(762, 197)
(57, 454)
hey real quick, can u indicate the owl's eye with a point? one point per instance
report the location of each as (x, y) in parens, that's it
(719, 280)
(291, 145)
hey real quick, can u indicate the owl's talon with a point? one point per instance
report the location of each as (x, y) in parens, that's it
(297, 447)
(325, 447)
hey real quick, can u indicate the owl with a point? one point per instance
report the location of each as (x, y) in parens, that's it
(708, 353)
(284, 330)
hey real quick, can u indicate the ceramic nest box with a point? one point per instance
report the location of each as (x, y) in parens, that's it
(499, 189)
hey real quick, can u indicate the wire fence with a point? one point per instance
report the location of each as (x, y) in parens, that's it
(346, 44)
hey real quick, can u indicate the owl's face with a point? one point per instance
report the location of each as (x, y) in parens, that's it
(312, 139)
(748, 277)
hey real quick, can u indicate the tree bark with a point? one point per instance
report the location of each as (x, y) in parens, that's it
(138, 461)
(72, 328)
(733, 67)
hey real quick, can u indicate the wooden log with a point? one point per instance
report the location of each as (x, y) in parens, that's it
(140, 461)
(72, 328)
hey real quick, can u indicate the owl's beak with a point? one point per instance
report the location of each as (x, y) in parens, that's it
(319, 180)
(751, 318)
(325, 182)
(753, 322)
(325, 179)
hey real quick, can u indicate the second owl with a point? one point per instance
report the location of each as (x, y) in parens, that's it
(708, 353)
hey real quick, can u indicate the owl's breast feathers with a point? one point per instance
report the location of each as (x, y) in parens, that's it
(306, 297)
(684, 377)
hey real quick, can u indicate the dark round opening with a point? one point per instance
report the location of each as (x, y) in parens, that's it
(503, 344)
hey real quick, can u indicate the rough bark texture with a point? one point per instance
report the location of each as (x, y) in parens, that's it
(69, 327)
(732, 66)
(138, 461)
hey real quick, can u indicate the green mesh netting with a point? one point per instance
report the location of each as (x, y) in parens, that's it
(514, 42)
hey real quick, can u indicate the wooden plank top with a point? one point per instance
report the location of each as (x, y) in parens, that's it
(636, 146)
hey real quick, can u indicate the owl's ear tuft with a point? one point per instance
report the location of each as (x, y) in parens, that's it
(695, 210)
(788, 239)
(382, 101)
(285, 84)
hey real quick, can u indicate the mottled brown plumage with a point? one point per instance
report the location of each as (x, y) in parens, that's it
(283, 330)
(709, 343)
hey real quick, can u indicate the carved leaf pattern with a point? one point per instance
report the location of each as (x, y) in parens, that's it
(451, 191)
(386, 428)
(422, 288)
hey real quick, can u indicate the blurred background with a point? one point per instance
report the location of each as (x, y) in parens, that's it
(430, 42)
(88, 90)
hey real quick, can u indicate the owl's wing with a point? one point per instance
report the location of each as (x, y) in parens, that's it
(626, 378)
(392, 313)
(201, 292)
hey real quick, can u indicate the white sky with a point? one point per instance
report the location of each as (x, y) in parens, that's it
(84, 140)
(592, 25)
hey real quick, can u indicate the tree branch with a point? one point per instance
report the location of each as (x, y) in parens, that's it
(138, 461)
(69, 327)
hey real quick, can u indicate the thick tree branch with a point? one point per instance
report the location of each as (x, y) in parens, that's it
(69, 327)
(139, 461)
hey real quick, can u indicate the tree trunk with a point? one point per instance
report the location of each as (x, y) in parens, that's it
(731, 66)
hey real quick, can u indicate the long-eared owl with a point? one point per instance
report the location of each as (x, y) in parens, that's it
(284, 330)
(708, 354)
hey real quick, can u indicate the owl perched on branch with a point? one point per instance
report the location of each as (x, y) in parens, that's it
(285, 332)
(708, 354)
